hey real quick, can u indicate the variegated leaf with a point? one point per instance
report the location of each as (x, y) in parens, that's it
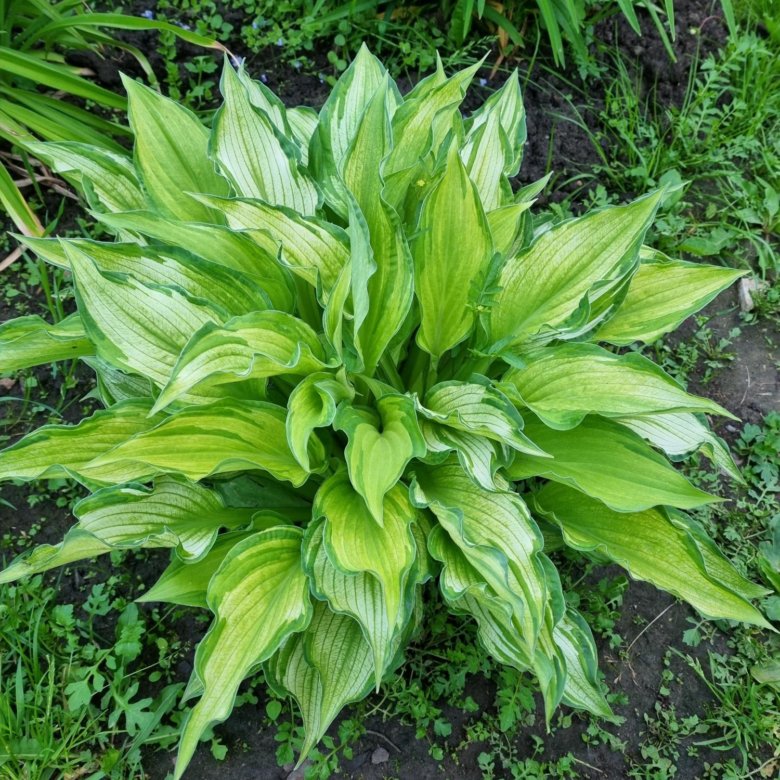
(256, 346)
(607, 461)
(381, 442)
(563, 384)
(259, 596)
(31, 341)
(171, 155)
(652, 548)
(253, 155)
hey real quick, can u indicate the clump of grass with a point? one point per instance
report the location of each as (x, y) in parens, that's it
(720, 147)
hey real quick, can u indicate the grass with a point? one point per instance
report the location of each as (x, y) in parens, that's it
(70, 683)
(719, 149)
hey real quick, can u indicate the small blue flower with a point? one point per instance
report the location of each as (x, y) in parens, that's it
(280, 42)
(264, 78)
(483, 82)
(255, 25)
(236, 60)
(183, 26)
(297, 64)
(148, 14)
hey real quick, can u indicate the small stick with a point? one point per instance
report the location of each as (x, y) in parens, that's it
(590, 766)
(382, 736)
(656, 618)
(10, 257)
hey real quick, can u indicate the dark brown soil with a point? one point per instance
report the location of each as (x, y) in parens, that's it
(749, 384)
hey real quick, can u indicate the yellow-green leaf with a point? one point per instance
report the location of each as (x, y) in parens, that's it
(563, 384)
(651, 548)
(171, 154)
(607, 461)
(452, 256)
(259, 596)
(31, 341)
(381, 442)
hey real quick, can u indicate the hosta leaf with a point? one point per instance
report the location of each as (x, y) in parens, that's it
(380, 444)
(651, 548)
(215, 243)
(338, 122)
(263, 98)
(451, 265)
(467, 591)
(303, 124)
(312, 404)
(426, 84)
(31, 341)
(420, 125)
(201, 441)
(476, 407)
(528, 193)
(459, 578)
(336, 310)
(355, 545)
(259, 596)
(186, 582)
(110, 176)
(228, 292)
(308, 247)
(478, 456)
(358, 595)
(582, 689)
(660, 297)
(77, 545)
(171, 154)
(607, 461)
(680, 434)
(256, 346)
(495, 532)
(545, 284)
(325, 668)
(505, 108)
(174, 513)
(56, 451)
(506, 227)
(114, 385)
(563, 384)
(382, 272)
(717, 565)
(135, 327)
(257, 160)
(493, 144)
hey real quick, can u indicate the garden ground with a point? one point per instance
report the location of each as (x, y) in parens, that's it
(87, 695)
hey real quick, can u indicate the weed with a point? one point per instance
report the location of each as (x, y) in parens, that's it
(70, 698)
(719, 147)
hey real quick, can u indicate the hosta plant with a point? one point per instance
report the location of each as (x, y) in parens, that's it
(343, 372)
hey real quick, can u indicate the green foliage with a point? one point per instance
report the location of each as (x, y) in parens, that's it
(318, 341)
(35, 36)
(408, 33)
(564, 21)
(719, 148)
(69, 697)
